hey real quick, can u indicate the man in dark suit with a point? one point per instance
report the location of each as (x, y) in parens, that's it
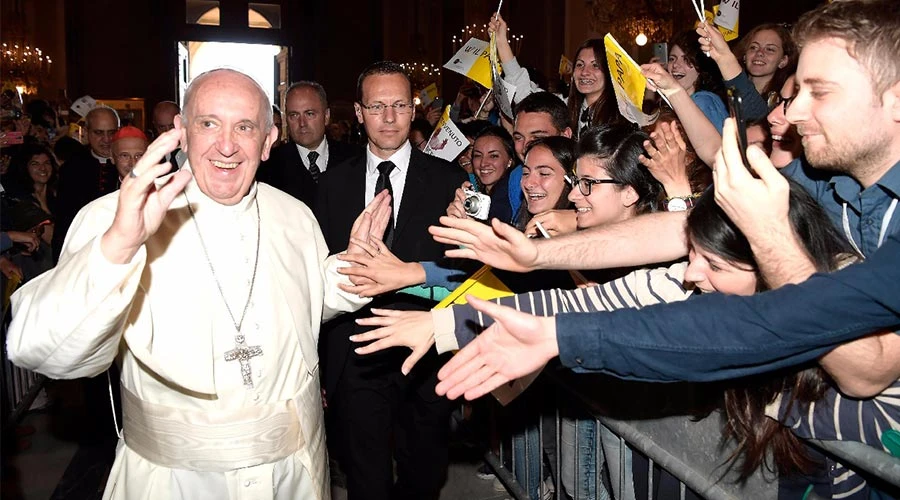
(373, 405)
(295, 166)
(88, 175)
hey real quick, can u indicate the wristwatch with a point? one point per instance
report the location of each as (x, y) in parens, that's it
(679, 203)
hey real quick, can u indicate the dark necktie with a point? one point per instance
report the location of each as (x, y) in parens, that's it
(313, 168)
(384, 182)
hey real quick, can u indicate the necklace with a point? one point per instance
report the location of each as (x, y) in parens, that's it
(241, 352)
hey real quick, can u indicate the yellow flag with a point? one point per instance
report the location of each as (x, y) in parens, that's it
(473, 61)
(565, 65)
(728, 34)
(428, 95)
(628, 82)
(483, 284)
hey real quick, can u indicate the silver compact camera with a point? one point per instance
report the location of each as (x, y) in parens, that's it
(477, 205)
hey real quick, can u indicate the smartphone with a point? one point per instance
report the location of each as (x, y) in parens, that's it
(661, 53)
(437, 103)
(736, 110)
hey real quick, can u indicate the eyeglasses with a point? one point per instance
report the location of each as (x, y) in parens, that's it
(401, 108)
(586, 183)
(774, 100)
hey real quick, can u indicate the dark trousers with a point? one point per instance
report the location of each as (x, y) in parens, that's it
(382, 416)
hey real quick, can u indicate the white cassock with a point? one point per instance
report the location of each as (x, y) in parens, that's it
(193, 429)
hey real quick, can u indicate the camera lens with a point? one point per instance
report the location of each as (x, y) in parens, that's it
(471, 205)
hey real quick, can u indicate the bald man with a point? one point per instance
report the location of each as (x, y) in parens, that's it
(208, 290)
(87, 175)
(163, 117)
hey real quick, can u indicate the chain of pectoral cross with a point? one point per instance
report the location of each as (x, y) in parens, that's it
(241, 352)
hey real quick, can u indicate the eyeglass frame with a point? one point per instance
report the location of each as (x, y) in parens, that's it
(401, 108)
(578, 182)
(781, 101)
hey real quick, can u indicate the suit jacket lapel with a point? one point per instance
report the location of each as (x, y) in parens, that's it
(355, 186)
(413, 193)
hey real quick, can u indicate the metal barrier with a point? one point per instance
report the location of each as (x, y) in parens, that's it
(689, 450)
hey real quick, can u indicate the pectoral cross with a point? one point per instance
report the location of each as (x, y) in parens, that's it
(243, 353)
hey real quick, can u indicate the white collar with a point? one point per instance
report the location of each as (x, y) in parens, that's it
(322, 149)
(400, 158)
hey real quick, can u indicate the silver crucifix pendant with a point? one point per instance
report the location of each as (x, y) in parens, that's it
(243, 353)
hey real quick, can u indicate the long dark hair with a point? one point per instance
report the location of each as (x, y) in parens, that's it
(604, 110)
(746, 399)
(19, 183)
(508, 145)
(620, 146)
(563, 150)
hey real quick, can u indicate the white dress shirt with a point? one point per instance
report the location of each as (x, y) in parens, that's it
(321, 161)
(397, 176)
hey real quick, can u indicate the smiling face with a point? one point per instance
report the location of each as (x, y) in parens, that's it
(588, 75)
(490, 161)
(225, 134)
(389, 130)
(682, 70)
(785, 140)
(543, 180)
(845, 126)
(607, 203)
(711, 273)
(765, 54)
(40, 168)
(532, 126)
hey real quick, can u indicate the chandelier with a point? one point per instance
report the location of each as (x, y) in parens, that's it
(480, 32)
(422, 74)
(626, 19)
(23, 64)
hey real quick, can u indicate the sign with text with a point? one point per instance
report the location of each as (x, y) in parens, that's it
(473, 60)
(628, 82)
(447, 141)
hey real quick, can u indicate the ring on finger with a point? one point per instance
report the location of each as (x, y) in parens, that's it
(132, 174)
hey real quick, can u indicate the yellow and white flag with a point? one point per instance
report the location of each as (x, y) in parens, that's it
(428, 95)
(446, 141)
(712, 18)
(473, 61)
(628, 83)
(727, 14)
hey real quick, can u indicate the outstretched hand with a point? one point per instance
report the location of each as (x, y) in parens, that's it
(498, 245)
(142, 204)
(413, 329)
(377, 270)
(516, 345)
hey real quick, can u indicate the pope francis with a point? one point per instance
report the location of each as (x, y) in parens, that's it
(208, 289)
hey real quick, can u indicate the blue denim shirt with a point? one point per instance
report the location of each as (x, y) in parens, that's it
(716, 337)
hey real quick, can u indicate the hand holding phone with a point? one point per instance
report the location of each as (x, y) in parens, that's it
(735, 108)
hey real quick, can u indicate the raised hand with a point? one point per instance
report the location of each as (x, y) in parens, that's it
(142, 204)
(713, 43)
(413, 329)
(498, 25)
(666, 159)
(516, 345)
(376, 270)
(660, 80)
(371, 222)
